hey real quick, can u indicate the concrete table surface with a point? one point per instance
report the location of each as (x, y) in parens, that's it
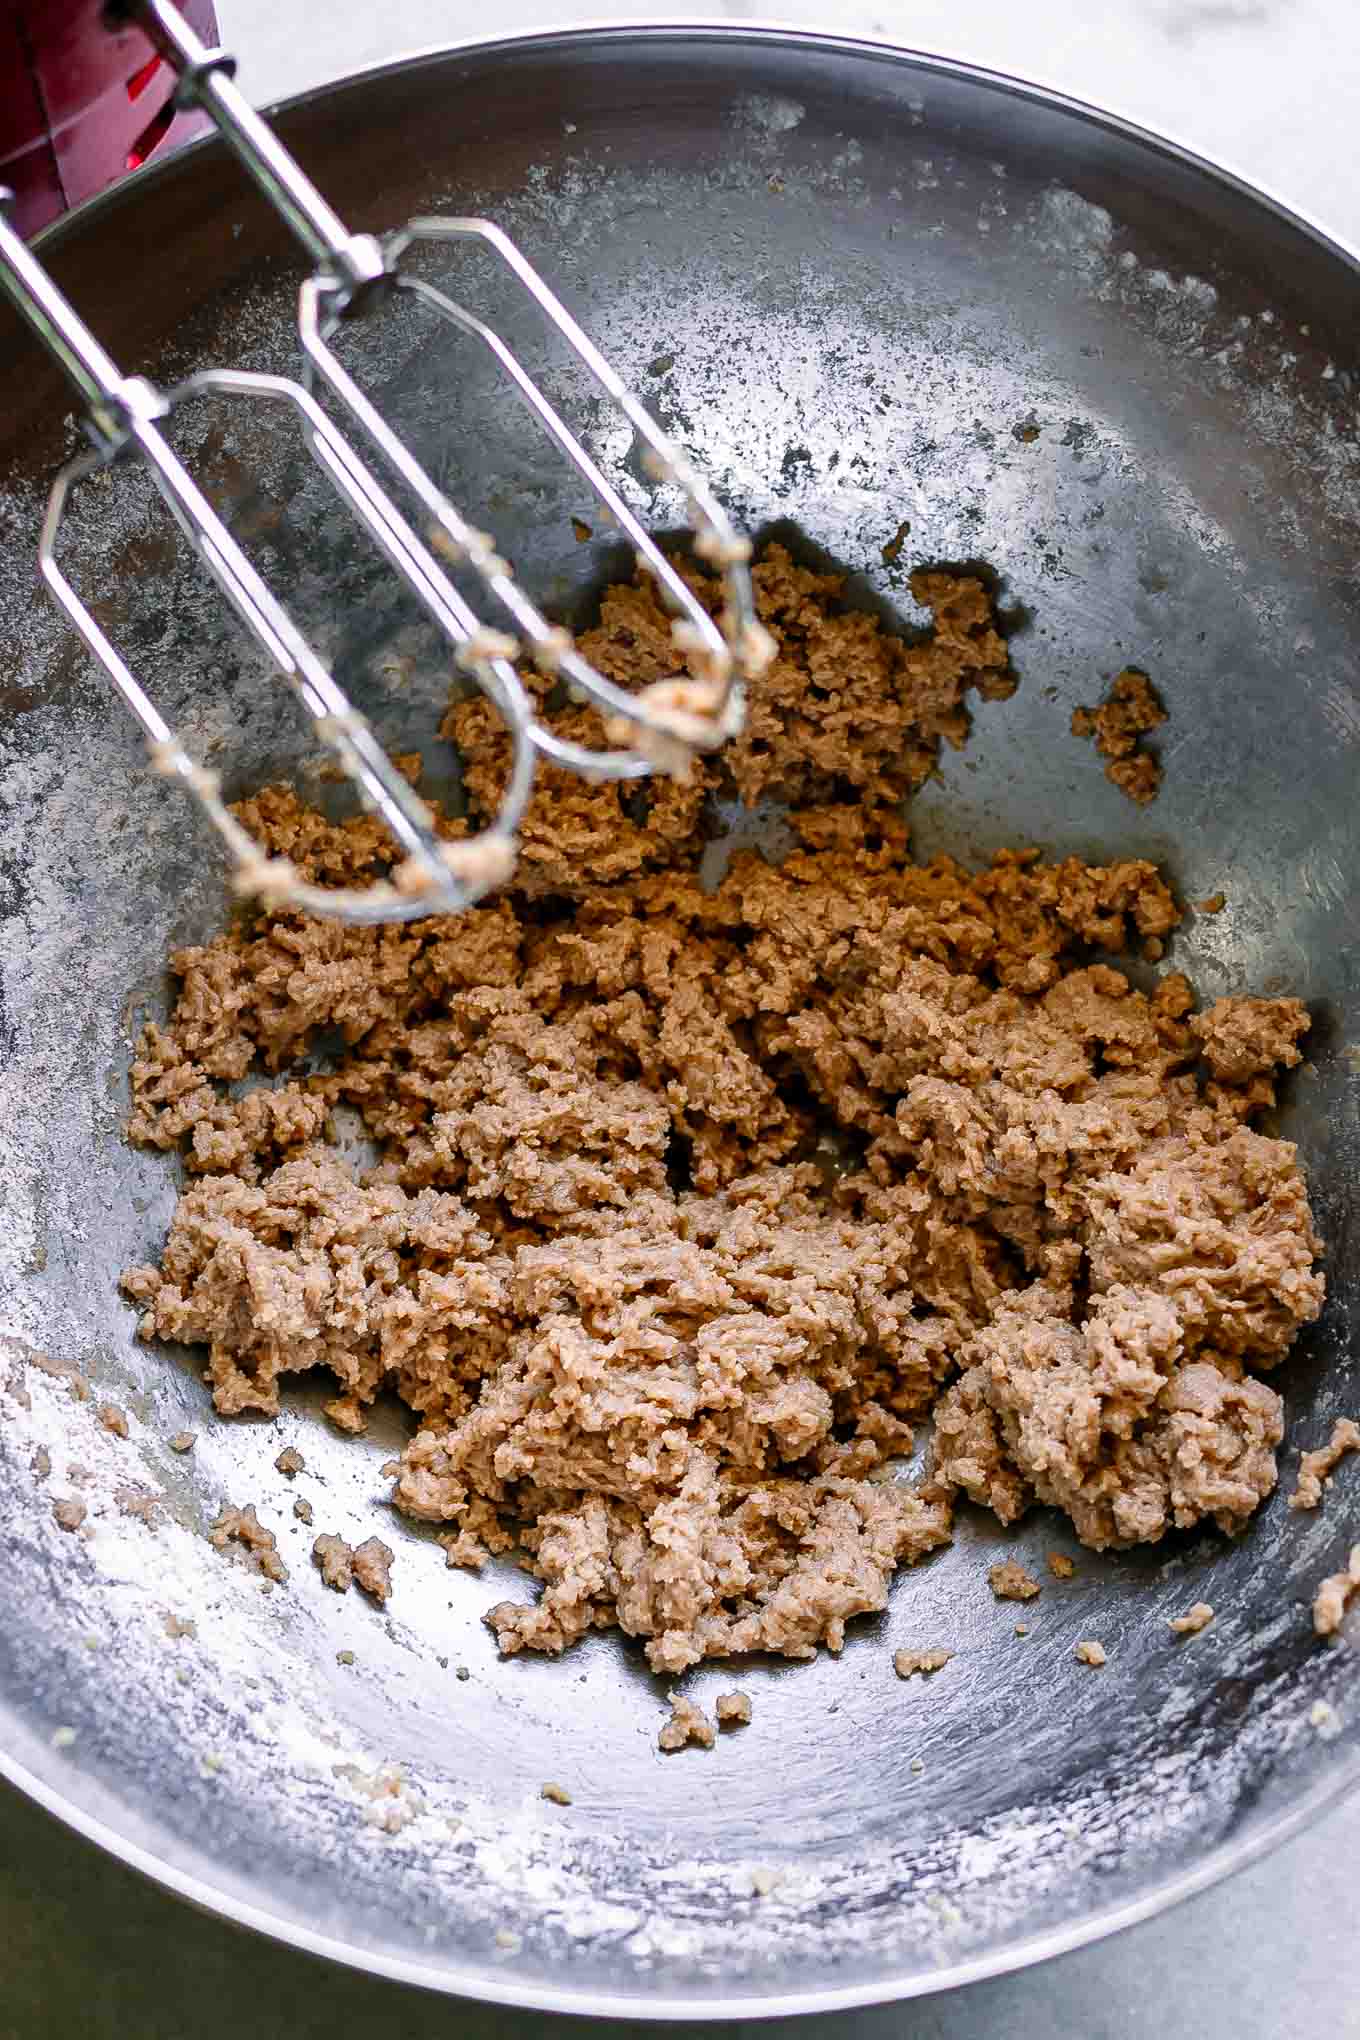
(1269, 87)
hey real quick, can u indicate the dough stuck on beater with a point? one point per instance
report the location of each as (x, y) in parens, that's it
(685, 719)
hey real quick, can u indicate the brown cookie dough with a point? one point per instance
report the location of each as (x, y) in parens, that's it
(1335, 1594)
(692, 1200)
(1010, 1582)
(1316, 1468)
(243, 1527)
(373, 1569)
(367, 1565)
(909, 1663)
(1130, 709)
(333, 1559)
(687, 1724)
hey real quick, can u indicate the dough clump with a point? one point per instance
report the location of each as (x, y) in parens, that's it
(694, 1198)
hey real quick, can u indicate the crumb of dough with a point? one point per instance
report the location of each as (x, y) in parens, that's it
(41, 1463)
(908, 1662)
(558, 1794)
(334, 1559)
(373, 1568)
(183, 1441)
(1334, 1595)
(1194, 1619)
(141, 1504)
(1009, 1581)
(687, 1724)
(302, 1509)
(1088, 1652)
(290, 1462)
(1130, 709)
(176, 1626)
(68, 1513)
(1060, 1565)
(367, 1565)
(733, 1710)
(243, 1527)
(763, 1882)
(1139, 778)
(692, 1201)
(113, 1419)
(1316, 1468)
(1214, 904)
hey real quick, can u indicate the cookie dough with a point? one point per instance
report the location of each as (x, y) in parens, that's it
(1335, 1594)
(687, 1724)
(693, 1199)
(1316, 1468)
(908, 1663)
(1130, 709)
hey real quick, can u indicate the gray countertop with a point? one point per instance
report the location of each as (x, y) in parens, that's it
(1269, 87)
(91, 1949)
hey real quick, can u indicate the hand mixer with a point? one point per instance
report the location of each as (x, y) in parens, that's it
(660, 728)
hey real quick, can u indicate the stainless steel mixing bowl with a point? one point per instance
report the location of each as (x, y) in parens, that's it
(866, 287)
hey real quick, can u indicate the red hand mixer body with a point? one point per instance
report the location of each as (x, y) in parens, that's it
(80, 106)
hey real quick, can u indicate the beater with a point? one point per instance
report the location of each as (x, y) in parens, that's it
(660, 728)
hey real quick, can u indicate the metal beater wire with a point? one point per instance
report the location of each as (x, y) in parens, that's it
(125, 418)
(355, 273)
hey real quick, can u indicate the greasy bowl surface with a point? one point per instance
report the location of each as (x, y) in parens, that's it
(855, 282)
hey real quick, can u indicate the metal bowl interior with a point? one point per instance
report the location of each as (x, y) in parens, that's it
(866, 288)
